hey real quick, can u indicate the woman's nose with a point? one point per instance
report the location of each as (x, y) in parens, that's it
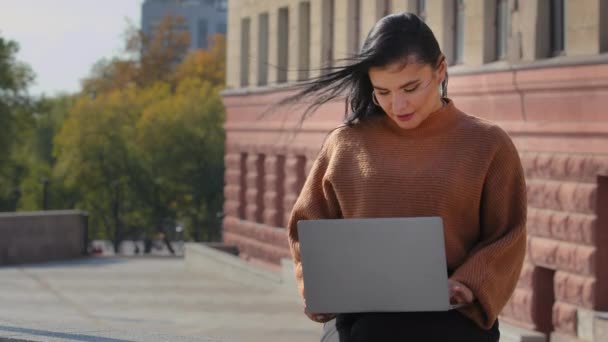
(399, 103)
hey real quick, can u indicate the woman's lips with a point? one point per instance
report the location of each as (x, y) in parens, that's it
(405, 116)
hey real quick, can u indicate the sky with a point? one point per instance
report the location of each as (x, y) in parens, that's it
(61, 39)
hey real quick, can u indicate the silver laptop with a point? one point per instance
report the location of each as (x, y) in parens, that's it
(374, 265)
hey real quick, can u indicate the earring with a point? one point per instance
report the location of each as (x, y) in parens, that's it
(441, 91)
(374, 99)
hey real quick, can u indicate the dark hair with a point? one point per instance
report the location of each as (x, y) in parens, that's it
(393, 38)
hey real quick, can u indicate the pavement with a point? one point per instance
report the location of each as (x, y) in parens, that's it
(115, 299)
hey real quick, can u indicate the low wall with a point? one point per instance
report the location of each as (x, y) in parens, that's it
(42, 236)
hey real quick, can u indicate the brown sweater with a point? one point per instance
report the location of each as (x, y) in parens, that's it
(453, 165)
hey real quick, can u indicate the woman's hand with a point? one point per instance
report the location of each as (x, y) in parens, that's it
(459, 293)
(319, 317)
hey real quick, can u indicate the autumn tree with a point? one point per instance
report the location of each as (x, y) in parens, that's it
(208, 65)
(143, 142)
(181, 142)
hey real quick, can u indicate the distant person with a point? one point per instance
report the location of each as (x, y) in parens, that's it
(406, 150)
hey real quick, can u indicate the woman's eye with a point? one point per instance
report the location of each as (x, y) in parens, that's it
(410, 90)
(383, 93)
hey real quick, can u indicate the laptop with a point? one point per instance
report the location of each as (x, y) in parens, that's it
(374, 265)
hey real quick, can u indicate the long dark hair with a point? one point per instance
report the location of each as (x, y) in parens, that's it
(393, 38)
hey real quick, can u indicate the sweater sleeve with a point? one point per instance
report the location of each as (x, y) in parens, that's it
(317, 200)
(494, 264)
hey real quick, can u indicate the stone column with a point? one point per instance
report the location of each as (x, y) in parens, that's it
(294, 178)
(369, 15)
(316, 36)
(405, 6)
(251, 207)
(273, 197)
(233, 46)
(440, 19)
(586, 27)
(232, 186)
(479, 32)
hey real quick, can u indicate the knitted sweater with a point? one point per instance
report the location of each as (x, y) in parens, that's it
(453, 165)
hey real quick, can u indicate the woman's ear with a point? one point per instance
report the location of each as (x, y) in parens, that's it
(442, 68)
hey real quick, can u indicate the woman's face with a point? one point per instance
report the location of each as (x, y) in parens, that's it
(408, 92)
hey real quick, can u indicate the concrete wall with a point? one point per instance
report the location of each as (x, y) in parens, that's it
(42, 236)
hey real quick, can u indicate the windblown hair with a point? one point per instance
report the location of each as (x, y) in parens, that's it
(396, 37)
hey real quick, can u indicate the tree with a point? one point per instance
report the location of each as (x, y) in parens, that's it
(181, 142)
(150, 59)
(160, 53)
(14, 117)
(35, 153)
(93, 155)
(208, 65)
(143, 142)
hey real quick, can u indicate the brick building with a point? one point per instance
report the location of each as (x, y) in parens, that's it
(537, 67)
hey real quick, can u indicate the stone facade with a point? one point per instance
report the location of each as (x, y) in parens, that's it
(553, 108)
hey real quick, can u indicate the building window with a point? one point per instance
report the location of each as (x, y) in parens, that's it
(327, 35)
(263, 49)
(245, 26)
(220, 28)
(202, 34)
(304, 41)
(421, 9)
(283, 45)
(556, 25)
(458, 31)
(354, 30)
(221, 5)
(502, 28)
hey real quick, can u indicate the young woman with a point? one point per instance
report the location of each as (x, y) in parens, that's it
(405, 151)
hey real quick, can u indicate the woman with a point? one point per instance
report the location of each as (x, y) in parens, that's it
(406, 151)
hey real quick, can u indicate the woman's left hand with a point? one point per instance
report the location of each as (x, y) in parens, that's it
(460, 293)
(319, 317)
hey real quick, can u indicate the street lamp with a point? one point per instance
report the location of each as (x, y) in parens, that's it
(16, 196)
(45, 193)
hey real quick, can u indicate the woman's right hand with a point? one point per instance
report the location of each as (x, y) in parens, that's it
(319, 317)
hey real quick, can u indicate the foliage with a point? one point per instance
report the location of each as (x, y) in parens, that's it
(140, 147)
(14, 118)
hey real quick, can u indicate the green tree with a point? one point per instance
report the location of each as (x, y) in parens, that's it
(14, 118)
(181, 143)
(35, 154)
(93, 155)
(143, 143)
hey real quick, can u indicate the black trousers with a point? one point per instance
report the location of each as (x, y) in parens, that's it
(400, 327)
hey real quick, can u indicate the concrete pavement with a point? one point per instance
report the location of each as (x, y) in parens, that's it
(115, 299)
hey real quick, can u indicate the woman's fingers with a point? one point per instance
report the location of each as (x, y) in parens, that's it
(459, 293)
(458, 298)
(319, 317)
